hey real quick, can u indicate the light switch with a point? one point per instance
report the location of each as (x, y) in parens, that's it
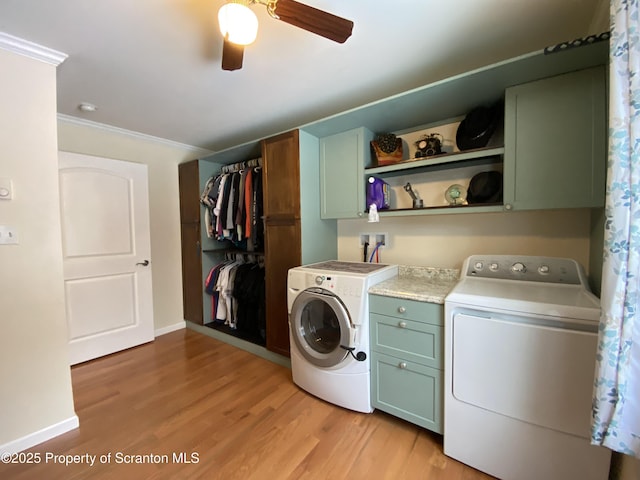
(8, 235)
(5, 189)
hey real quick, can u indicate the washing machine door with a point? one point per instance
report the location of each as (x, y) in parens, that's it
(320, 327)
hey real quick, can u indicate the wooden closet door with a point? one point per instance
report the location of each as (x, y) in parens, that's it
(192, 285)
(284, 253)
(281, 163)
(189, 182)
(281, 190)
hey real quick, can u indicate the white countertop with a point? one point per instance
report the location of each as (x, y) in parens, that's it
(423, 284)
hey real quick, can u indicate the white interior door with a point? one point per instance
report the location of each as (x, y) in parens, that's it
(106, 254)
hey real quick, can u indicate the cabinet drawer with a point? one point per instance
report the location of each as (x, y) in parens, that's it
(411, 309)
(407, 390)
(414, 341)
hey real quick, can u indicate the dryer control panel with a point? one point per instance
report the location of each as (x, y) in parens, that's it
(527, 268)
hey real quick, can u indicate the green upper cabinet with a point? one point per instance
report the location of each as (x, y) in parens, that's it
(555, 142)
(343, 157)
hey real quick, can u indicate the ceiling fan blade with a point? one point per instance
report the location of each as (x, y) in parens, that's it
(313, 20)
(232, 55)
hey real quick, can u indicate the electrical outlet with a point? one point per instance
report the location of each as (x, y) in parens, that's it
(365, 238)
(8, 235)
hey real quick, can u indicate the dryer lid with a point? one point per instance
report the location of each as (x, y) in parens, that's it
(567, 301)
(521, 284)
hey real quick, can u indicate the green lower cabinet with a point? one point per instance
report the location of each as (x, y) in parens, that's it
(407, 337)
(407, 390)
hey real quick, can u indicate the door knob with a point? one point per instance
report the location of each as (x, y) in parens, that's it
(144, 264)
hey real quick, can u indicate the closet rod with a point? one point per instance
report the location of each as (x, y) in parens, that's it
(226, 251)
(243, 255)
(236, 167)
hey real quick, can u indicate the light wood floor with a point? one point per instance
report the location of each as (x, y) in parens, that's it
(238, 415)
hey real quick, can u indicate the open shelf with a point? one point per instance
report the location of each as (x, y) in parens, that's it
(430, 177)
(449, 159)
(443, 210)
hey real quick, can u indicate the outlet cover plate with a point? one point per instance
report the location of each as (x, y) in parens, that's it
(8, 235)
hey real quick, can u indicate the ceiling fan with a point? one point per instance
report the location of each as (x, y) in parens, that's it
(239, 25)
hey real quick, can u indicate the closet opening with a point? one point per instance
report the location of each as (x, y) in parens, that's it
(234, 222)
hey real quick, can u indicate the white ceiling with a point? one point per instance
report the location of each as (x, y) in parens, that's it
(153, 66)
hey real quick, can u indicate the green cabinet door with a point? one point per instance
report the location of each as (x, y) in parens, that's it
(342, 160)
(408, 390)
(555, 142)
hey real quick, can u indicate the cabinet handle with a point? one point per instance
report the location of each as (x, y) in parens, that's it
(508, 206)
(402, 365)
(402, 324)
(402, 309)
(360, 214)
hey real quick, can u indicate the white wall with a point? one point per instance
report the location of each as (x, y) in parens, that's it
(35, 378)
(626, 468)
(600, 20)
(446, 240)
(162, 159)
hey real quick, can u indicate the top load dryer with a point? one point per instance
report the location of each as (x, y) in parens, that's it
(520, 351)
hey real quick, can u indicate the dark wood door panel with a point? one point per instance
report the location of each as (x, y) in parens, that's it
(281, 164)
(192, 287)
(189, 181)
(283, 252)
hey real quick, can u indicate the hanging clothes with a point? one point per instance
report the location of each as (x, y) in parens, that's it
(210, 288)
(249, 290)
(237, 290)
(257, 223)
(209, 198)
(233, 201)
(248, 204)
(236, 285)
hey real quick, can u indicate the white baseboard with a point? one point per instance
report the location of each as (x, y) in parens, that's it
(40, 436)
(170, 328)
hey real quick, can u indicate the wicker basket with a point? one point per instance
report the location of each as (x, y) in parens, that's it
(383, 158)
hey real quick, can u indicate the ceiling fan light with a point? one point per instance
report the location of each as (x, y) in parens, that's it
(239, 22)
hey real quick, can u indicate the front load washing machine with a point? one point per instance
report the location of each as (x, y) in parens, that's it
(329, 329)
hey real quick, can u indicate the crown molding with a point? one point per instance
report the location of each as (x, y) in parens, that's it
(201, 152)
(30, 49)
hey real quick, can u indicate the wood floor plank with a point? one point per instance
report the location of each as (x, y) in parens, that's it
(191, 407)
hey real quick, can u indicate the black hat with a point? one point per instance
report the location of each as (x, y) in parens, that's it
(485, 187)
(478, 127)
